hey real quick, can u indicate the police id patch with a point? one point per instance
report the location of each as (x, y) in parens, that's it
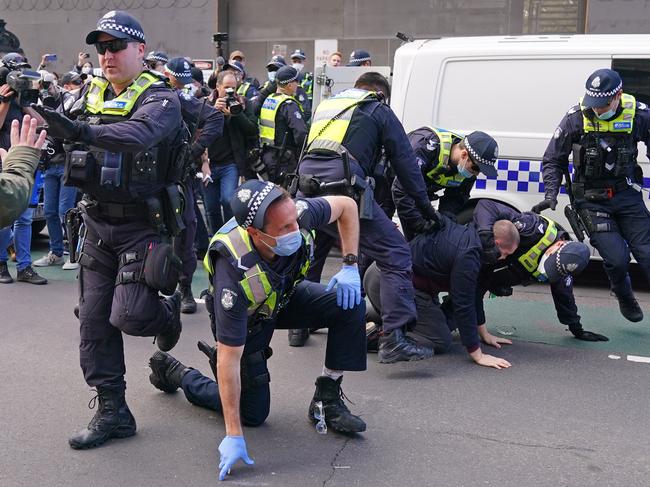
(228, 298)
(622, 125)
(301, 206)
(114, 104)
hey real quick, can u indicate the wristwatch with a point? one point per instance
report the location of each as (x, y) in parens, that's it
(350, 259)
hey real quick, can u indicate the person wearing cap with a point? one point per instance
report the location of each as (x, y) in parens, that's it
(450, 164)
(71, 83)
(447, 259)
(156, 60)
(282, 127)
(256, 265)
(359, 57)
(359, 126)
(240, 58)
(270, 87)
(127, 145)
(205, 125)
(306, 78)
(522, 248)
(602, 133)
(244, 88)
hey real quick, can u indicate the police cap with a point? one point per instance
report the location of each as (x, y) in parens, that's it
(569, 260)
(285, 75)
(71, 78)
(601, 87)
(157, 56)
(359, 56)
(298, 54)
(15, 60)
(251, 200)
(234, 66)
(180, 68)
(484, 151)
(197, 75)
(118, 24)
(276, 62)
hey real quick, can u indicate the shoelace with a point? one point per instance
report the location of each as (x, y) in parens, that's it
(343, 396)
(93, 402)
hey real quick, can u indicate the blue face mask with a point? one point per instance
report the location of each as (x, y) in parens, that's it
(271, 75)
(608, 114)
(285, 245)
(464, 172)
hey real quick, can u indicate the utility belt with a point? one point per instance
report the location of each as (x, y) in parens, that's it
(594, 191)
(164, 211)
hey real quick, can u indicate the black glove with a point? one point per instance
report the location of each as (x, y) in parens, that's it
(544, 205)
(197, 150)
(589, 336)
(58, 126)
(426, 226)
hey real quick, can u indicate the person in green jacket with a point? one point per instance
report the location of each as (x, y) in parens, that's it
(18, 167)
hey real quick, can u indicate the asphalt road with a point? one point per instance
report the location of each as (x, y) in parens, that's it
(566, 414)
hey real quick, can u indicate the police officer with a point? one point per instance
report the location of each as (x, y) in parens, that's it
(306, 78)
(256, 264)
(346, 140)
(205, 125)
(245, 88)
(270, 86)
(156, 60)
(445, 259)
(282, 127)
(449, 164)
(360, 57)
(603, 131)
(516, 248)
(125, 142)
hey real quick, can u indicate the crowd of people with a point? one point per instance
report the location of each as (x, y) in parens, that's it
(133, 146)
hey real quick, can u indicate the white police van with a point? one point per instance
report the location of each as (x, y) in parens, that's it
(517, 89)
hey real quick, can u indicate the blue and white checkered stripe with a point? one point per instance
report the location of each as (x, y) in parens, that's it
(111, 25)
(522, 177)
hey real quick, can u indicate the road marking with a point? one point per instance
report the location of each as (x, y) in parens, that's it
(614, 357)
(202, 301)
(639, 359)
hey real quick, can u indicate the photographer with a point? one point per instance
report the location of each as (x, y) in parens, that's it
(227, 154)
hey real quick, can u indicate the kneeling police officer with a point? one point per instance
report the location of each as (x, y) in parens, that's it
(123, 152)
(257, 263)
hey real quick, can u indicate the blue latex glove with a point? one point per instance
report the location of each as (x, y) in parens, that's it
(348, 287)
(232, 449)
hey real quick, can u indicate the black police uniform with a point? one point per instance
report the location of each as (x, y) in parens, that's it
(606, 185)
(374, 128)
(200, 116)
(303, 304)
(127, 167)
(500, 275)
(447, 259)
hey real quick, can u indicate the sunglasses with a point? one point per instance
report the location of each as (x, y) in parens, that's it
(114, 45)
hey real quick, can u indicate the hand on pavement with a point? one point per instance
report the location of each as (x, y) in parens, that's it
(232, 449)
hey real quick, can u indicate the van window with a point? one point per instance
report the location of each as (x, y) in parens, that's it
(636, 77)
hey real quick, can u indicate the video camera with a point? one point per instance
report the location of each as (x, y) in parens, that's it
(232, 102)
(23, 81)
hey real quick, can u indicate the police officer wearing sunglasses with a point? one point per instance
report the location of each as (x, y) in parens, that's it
(124, 152)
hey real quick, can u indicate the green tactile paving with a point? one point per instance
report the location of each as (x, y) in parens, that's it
(537, 322)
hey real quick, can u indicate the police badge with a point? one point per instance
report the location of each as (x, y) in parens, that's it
(228, 298)
(244, 195)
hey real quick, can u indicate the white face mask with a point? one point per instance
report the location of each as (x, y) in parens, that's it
(298, 66)
(87, 70)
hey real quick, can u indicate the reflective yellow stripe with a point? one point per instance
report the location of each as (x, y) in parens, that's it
(121, 105)
(243, 88)
(326, 133)
(621, 124)
(530, 260)
(436, 174)
(267, 116)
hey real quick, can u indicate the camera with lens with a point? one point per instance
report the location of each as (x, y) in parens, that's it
(232, 102)
(23, 81)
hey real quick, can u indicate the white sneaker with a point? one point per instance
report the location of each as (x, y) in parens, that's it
(69, 266)
(48, 260)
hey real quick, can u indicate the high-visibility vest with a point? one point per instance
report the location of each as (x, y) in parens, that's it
(268, 113)
(331, 121)
(436, 174)
(243, 88)
(530, 259)
(621, 124)
(123, 104)
(234, 242)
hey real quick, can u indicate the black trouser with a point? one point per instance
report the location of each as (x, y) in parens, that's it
(184, 242)
(107, 310)
(309, 307)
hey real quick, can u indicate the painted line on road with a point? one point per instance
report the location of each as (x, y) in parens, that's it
(638, 359)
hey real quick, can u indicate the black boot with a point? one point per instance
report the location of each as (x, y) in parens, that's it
(396, 347)
(211, 353)
(5, 277)
(337, 415)
(166, 372)
(298, 337)
(372, 337)
(630, 308)
(112, 420)
(188, 305)
(167, 341)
